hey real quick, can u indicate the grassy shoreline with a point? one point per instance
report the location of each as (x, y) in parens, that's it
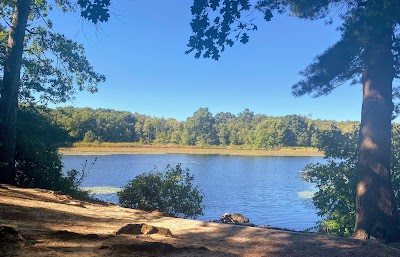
(135, 148)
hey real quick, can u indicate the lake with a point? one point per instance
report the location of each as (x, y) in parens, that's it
(268, 190)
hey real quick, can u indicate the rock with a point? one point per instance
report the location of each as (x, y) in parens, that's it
(130, 229)
(10, 241)
(235, 218)
(143, 229)
(148, 229)
(10, 235)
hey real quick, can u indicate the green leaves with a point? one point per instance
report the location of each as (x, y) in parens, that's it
(90, 125)
(95, 10)
(38, 163)
(172, 192)
(363, 22)
(335, 179)
(52, 66)
(244, 38)
(200, 129)
(268, 15)
(329, 71)
(209, 39)
(269, 133)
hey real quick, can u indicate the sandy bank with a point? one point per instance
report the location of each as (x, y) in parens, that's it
(56, 225)
(109, 149)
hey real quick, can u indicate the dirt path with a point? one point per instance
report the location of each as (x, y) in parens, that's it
(52, 224)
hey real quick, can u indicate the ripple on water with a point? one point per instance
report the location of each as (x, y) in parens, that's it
(268, 190)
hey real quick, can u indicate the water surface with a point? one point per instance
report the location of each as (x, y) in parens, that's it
(268, 190)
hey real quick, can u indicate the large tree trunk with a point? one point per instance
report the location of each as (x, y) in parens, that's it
(9, 91)
(376, 211)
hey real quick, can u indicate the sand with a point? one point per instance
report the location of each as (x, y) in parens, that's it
(53, 224)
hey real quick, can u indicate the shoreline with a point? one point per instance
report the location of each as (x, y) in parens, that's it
(75, 227)
(151, 149)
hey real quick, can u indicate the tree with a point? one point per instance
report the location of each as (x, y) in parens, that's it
(89, 125)
(297, 130)
(199, 129)
(174, 131)
(269, 133)
(39, 73)
(89, 137)
(241, 128)
(369, 51)
(336, 178)
(38, 163)
(221, 123)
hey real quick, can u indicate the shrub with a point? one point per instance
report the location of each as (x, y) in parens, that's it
(38, 163)
(72, 182)
(171, 192)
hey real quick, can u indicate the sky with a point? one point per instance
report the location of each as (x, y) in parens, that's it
(141, 50)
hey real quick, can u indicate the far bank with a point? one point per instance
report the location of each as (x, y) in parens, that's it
(134, 148)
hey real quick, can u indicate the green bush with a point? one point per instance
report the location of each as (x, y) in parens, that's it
(336, 179)
(38, 163)
(171, 192)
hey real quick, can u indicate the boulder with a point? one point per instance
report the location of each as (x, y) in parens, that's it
(143, 229)
(235, 218)
(9, 235)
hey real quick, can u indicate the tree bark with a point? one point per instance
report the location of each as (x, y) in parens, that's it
(376, 211)
(10, 89)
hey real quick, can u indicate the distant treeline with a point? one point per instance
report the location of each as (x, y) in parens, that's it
(203, 128)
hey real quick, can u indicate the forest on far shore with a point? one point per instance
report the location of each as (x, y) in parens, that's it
(245, 129)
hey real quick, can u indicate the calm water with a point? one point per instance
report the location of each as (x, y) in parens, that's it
(268, 190)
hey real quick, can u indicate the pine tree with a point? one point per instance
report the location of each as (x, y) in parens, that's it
(367, 53)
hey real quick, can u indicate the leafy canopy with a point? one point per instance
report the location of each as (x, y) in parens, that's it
(52, 64)
(217, 24)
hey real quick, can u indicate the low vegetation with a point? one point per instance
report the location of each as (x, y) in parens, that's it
(38, 163)
(172, 192)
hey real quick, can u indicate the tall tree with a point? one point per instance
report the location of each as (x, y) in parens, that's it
(200, 128)
(10, 89)
(221, 124)
(270, 133)
(40, 74)
(368, 52)
(297, 128)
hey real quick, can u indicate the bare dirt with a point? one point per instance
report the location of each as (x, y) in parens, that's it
(36, 222)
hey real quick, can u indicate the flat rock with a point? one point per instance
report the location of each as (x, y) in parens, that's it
(143, 229)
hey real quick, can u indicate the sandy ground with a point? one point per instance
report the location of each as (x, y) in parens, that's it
(52, 224)
(149, 149)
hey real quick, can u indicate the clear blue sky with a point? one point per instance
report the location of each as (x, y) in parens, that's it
(141, 51)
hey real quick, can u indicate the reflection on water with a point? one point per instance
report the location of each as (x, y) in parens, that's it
(268, 190)
(306, 194)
